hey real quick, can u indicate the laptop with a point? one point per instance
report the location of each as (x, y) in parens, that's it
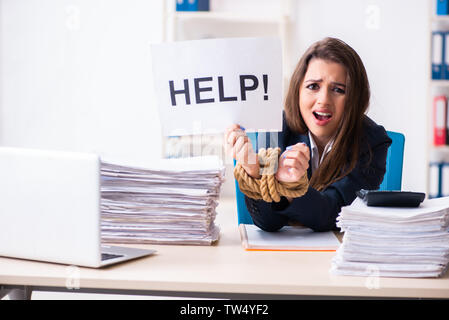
(50, 209)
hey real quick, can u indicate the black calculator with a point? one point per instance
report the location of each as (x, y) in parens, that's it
(379, 198)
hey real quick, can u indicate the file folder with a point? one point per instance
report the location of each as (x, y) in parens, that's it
(439, 120)
(447, 125)
(198, 5)
(442, 7)
(192, 5)
(445, 54)
(445, 180)
(434, 180)
(182, 5)
(437, 54)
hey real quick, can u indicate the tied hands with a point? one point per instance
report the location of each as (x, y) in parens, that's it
(293, 162)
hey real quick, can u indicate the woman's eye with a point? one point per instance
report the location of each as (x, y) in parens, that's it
(313, 86)
(339, 90)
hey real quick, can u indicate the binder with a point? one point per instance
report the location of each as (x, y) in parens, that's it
(445, 54)
(439, 120)
(442, 7)
(445, 180)
(437, 54)
(198, 5)
(182, 5)
(434, 180)
(447, 125)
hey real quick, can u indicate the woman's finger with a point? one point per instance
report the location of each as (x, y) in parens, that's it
(295, 173)
(304, 163)
(291, 154)
(231, 128)
(245, 155)
(240, 142)
(304, 149)
(233, 137)
(300, 147)
(292, 163)
(299, 157)
(299, 166)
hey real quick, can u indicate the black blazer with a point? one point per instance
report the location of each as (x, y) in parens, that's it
(318, 210)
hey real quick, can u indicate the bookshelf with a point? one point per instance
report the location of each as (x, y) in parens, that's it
(438, 155)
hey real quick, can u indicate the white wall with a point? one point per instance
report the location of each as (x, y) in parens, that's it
(76, 75)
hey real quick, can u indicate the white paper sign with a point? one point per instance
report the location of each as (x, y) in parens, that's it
(204, 86)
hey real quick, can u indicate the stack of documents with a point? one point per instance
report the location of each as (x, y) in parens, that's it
(172, 201)
(394, 242)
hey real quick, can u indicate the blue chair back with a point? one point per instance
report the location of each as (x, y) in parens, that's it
(392, 178)
(395, 157)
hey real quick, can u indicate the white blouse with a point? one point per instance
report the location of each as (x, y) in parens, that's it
(315, 156)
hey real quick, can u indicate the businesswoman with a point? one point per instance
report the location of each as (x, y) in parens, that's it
(326, 136)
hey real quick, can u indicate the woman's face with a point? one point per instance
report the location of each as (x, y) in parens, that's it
(322, 97)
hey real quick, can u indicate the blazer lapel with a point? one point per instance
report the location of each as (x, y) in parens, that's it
(309, 170)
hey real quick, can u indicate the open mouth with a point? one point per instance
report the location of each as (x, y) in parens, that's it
(322, 116)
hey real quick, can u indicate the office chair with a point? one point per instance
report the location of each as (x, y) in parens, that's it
(392, 178)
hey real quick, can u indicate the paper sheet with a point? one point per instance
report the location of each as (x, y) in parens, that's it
(204, 86)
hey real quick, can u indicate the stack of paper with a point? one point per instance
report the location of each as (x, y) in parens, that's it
(394, 242)
(172, 201)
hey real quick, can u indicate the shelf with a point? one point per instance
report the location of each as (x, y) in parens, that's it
(442, 149)
(228, 16)
(440, 83)
(439, 154)
(436, 18)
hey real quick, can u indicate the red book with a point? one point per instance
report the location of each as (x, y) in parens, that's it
(439, 120)
(447, 125)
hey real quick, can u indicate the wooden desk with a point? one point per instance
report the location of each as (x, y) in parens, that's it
(224, 270)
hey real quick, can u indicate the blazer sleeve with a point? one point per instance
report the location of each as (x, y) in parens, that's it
(318, 210)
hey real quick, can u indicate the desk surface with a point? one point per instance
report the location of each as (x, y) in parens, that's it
(221, 270)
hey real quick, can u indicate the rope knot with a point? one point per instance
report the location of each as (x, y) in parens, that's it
(267, 187)
(269, 160)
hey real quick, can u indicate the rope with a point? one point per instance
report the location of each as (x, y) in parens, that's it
(267, 187)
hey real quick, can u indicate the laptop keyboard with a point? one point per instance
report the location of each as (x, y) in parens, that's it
(107, 256)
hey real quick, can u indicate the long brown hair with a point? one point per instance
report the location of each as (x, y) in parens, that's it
(344, 153)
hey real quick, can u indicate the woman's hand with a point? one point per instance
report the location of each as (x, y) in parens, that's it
(239, 144)
(293, 163)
